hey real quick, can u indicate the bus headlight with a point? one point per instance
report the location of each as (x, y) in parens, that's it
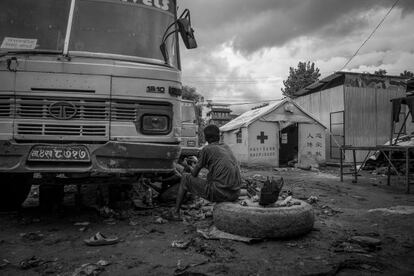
(155, 124)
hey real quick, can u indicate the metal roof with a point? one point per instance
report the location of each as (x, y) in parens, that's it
(245, 119)
(321, 84)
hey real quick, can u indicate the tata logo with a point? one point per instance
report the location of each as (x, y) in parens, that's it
(62, 110)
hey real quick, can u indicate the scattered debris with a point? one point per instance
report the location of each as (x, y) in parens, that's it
(85, 223)
(181, 268)
(5, 263)
(32, 236)
(357, 244)
(329, 211)
(161, 220)
(312, 199)
(107, 212)
(30, 262)
(303, 167)
(395, 210)
(141, 205)
(366, 241)
(103, 263)
(33, 262)
(353, 263)
(88, 269)
(213, 233)
(99, 239)
(110, 221)
(181, 244)
(287, 202)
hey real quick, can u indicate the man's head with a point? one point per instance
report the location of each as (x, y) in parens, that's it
(212, 133)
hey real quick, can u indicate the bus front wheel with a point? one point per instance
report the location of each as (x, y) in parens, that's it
(14, 189)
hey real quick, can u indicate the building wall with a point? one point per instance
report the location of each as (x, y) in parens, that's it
(368, 117)
(268, 152)
(311, 145)
(321, 105)
(240, 150)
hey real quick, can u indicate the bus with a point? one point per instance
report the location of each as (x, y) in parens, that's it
(88, 86)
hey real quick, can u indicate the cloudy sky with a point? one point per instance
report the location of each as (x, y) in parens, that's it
(247, 46)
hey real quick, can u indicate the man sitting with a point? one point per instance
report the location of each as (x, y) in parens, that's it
(223, 178)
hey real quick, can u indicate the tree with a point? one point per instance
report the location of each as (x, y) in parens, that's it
(190, 93)
(305, 74)
(380, 72)
(407, 74)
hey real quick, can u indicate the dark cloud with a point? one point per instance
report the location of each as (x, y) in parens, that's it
(256, 24)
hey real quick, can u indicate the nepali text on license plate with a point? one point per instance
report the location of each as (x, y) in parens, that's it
(59, 153)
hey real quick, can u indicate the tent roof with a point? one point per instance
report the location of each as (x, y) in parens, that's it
(245, 119)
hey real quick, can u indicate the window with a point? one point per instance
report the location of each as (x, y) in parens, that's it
(239, 137)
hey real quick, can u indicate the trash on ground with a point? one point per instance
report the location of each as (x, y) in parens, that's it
(32, 236)
(85, 223)
(366, 241)
(103, 263)
(312, 199)
(4, 263)
(33, 262)
(213, 233)
(180, 244)
(110, 221)
(395, 210)
(88, 269)
(182, 267)
(161, 220)
(107, 212)
(99, 239)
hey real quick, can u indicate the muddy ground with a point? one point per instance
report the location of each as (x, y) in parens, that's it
(36, 242)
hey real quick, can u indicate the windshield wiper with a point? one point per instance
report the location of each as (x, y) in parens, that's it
(23, 52)
(163, 46)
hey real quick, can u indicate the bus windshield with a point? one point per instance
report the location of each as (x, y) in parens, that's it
(116, 27)
(33, 25)
(128, 28)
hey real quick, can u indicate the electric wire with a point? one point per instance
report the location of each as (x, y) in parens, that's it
(370, 35)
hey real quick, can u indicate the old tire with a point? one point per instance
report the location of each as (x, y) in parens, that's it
(14, 189)
(259, 222)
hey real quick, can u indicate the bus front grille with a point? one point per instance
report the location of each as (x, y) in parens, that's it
(39, 108)
(6, 106)
(49, 130)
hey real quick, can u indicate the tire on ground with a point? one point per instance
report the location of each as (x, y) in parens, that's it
(14, 189)
(260, 222)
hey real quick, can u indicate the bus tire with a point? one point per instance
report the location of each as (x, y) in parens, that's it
(264, 222)
(14, 189)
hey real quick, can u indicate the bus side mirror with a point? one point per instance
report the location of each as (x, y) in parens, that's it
(186, 31)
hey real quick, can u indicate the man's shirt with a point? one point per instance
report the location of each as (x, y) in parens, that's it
(222, 166)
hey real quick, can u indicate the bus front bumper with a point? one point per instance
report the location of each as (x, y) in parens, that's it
(111, 157)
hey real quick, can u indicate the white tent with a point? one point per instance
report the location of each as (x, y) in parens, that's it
(274, 134)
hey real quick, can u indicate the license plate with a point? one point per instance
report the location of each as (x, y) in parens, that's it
(59, 153)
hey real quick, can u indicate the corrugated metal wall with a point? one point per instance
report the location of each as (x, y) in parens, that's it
(367, 117)
(321, 105)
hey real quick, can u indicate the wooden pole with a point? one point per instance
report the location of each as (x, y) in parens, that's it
(355, 167)
(341, 164)
(391, 135)
(407, 180)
